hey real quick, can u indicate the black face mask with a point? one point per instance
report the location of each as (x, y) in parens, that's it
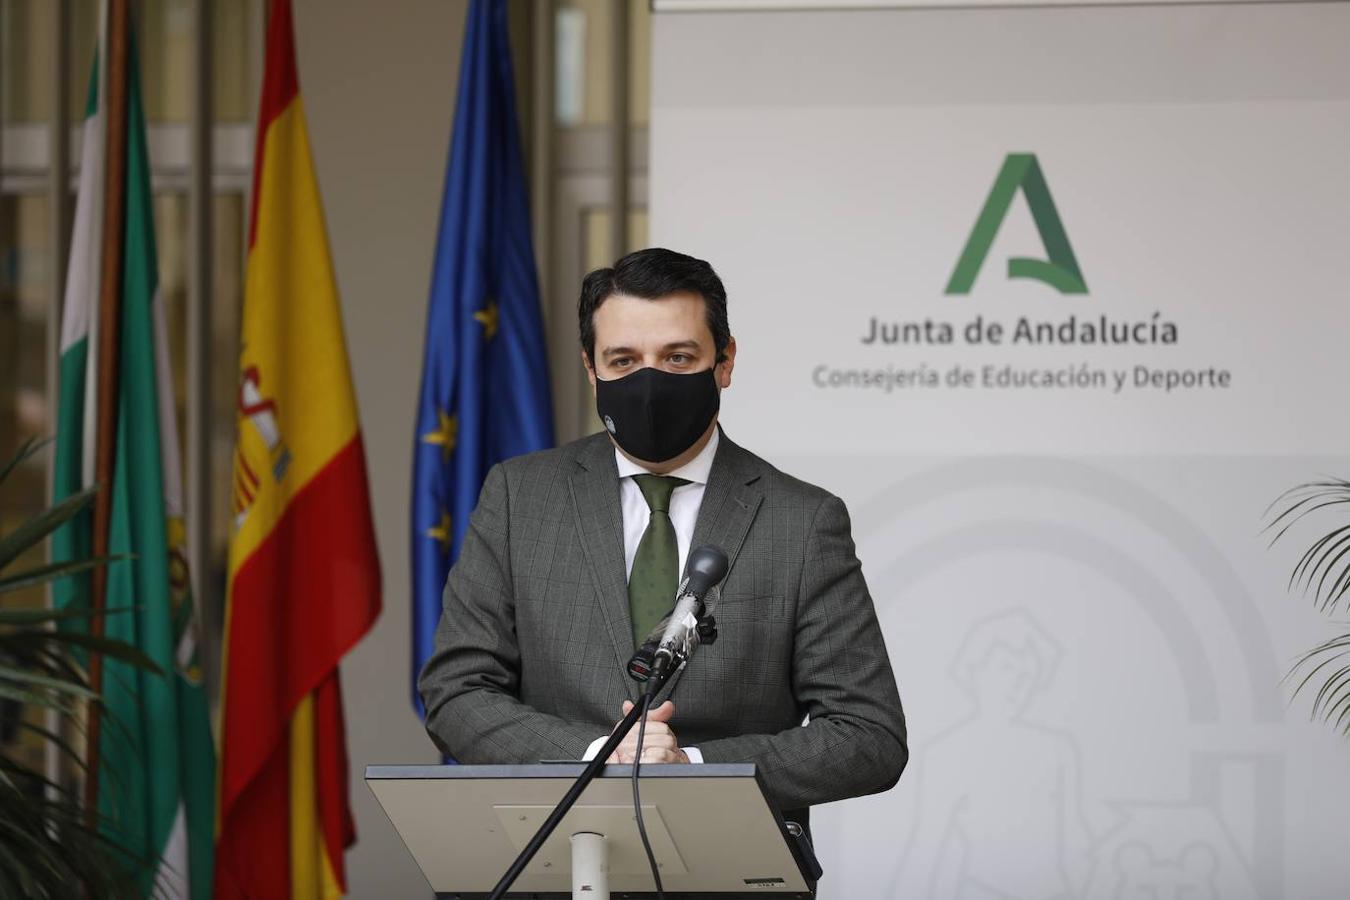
(654, 415)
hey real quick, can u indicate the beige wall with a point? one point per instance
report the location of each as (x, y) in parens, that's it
(379, 82)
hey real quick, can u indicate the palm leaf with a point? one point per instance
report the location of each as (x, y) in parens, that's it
(36, 529)
(44, 682)
(1332, 701)
(1323, 570)
(52, 571)
(49, 848)
(29, 448)
(24, 618)
(65, 747)
(51, 851)
(108, 647)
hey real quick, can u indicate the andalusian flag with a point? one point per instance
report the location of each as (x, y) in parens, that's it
(304, 581)
(157, 758)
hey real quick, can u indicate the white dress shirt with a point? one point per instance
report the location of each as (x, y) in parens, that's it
(684, 502)
(684, 506)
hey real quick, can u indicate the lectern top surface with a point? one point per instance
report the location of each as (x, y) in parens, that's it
(711, 826)
(559, 770)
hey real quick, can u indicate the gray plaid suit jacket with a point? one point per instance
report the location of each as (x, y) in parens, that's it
(535, 635)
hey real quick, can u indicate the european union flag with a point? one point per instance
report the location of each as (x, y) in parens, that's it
(485, 391)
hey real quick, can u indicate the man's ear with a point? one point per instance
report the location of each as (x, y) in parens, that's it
(590, 369)
(728, 363)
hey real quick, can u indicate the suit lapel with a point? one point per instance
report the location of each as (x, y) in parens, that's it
(730, 500)
(595, 499)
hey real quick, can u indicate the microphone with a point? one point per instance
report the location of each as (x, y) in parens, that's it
(675, 636)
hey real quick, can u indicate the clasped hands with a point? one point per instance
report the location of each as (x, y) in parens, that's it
(659, 744)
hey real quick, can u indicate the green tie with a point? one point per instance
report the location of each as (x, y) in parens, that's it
(652, 584)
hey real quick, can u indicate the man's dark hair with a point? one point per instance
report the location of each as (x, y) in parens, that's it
(651, 274)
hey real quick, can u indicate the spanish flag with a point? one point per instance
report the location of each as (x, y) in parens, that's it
(304, 580)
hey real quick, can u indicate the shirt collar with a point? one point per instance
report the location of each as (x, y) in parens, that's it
(695, 471)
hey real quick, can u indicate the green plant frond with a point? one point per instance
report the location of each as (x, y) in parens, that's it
(59, 702)
(30, 447)
(52, 849)
(1328, 565)
(1310, 556)
(1310, 657)
(15, 877)
(21, 774)
(1323, 569)
(47, 657)
(1332, 701)
(1325, 563)
(1297, 512)
(52, 572)
(108, 647)
(1295, 496)
(1336, 643)
(63, 746)
(25, 618)
(1341, 703)
(40, 660)
(1338, 588)
(29, 678)
(32, 532)
(1326, 696)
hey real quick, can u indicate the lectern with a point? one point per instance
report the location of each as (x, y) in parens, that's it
(711, 828)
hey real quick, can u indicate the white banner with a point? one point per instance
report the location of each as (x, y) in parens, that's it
(1055, 300)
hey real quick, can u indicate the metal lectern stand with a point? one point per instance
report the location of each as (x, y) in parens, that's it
(711, 828)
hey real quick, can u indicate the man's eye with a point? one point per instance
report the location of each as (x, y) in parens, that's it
(621, 362)
(679, 358)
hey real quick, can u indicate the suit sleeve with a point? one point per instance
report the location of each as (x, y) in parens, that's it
(471, 683)
(855, 740)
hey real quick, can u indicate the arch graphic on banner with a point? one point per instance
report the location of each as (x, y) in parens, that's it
(1221, 838)
(960, 476)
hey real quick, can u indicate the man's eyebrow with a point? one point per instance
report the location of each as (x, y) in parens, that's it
(673, 345)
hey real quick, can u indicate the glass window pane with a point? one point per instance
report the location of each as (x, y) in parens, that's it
(83, 36)
(25, 82)
(25, 265)
(25, 261)
(165, 30)
(584, 63)
(569, 74)
(640, 64)
(599, 251)
(597, 254)
(232, 84)
(165, 34)
(171, 247)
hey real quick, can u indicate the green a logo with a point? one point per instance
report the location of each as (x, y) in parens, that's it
(1060, 271)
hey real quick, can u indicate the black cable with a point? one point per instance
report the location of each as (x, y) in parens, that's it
(637, 796)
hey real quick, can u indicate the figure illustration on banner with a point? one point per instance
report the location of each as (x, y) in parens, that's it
(1021, 813)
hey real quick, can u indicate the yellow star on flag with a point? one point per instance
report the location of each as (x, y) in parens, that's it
(490, 317)
(441, 532)
(445, 435)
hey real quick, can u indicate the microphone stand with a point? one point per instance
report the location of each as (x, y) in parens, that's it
(653, 687)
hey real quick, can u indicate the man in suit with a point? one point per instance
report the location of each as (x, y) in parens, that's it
(574, 553)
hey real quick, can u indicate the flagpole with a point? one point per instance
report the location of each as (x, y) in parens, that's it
(110, 309)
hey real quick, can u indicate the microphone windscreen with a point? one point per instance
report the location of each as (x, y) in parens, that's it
(707, 566)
